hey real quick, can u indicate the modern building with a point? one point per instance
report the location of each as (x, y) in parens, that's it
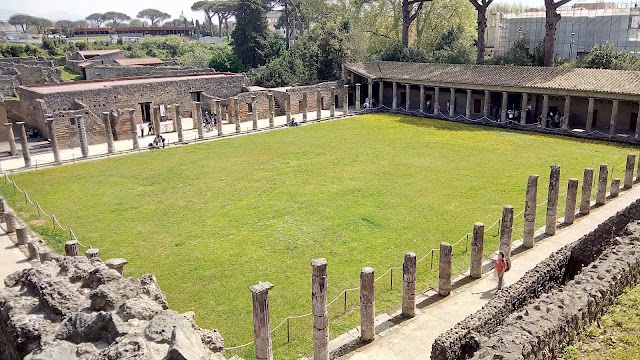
(581, 26)
(132, 31)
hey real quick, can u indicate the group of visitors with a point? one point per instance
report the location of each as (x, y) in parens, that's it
(368, 104)
(552, 120)
(158, 142)
(210, 122)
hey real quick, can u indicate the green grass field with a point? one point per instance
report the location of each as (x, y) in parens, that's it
(212, 219)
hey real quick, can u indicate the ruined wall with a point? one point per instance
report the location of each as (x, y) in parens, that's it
(26, 71)
(114, 71)
(75, 308)
(464, 338)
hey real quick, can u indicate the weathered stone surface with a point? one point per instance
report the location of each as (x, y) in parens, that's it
(160, 328)
(111, 295)
(150, 287)
(128, 347)
(140, 307)
(59, 350)
(212, 340)
(91, 327)
(186, 345)
(100, 276)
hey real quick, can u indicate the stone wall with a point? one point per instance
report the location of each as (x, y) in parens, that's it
(26, 71)
(113, 71)
(75, 308)
(464, 339)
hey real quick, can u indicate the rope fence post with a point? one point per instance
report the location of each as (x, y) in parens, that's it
(261, 321)
(319, 309)
(409, 285)
(367, 305)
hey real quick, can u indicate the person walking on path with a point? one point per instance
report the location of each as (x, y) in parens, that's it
(501, 267)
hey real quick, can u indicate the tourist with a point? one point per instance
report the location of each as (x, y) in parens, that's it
(150, 131)
(158, 141)
(366, 104)
(502, 266)
(428, 105)
(448, 107)
(293, 122)
(141, 130)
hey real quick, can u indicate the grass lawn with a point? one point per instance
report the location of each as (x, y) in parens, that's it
(68, 75)
(617, 338)
(212, 219)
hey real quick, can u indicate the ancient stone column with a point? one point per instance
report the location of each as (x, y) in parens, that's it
(367, 305)
(614, 117)
(271, 110)
(21, 235)
(628, 175)
(319, 104)
(477, 248)
(485, 105)
(357, 97)
(12, 139)
(345, 97)
(82, 136)
(332, 109)
(71, 248)
(552, 200)
(409, 285)
(467, 111)
(254, 112)
(9, 220)
(116, 264)
(452, 102)
(380, 93)
(305, 103)
(319, 310)
(157, 129)
(436, 100)
(32, 248)
(106, 120)
(444, 274)
(408, 97)
(506, 230)
(394, 104)
(589, 123)
(288, 108)
(503, 108)
(24, 144)
(545, 109)
(570, 207)
(54, 141)
(44, 255)
(92, 253)
(601, 195)
(198, 112)
(236, 113)
(523, 108)
(219, 115)
(567, 112)
(134, 129)
(637, 136)
(261, 320)
(530, 212)
(615, 187)
(370, 92)
(422, 98)
(178, 122)
(587, 183)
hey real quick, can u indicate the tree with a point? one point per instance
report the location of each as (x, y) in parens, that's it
(250, 34)
(24, 21)
(410, 11)
(481, 7)
(155, 16)
(207, 8)
(116, 17)
(96, 19)
(224, 59)
(551, 23)
(323, 49)
(225, 9)
(41, 24)
(453, 48)
(138, 23)
(605, 56)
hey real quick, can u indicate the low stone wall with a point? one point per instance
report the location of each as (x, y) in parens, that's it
(463, 340)
(113, 71)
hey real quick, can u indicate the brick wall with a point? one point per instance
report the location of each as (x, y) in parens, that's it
(113, 71)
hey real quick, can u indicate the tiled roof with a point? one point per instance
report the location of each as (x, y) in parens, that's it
(555, 78)
(138, 61)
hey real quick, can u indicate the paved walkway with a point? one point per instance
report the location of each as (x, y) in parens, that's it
(11, 258)
(413, 338)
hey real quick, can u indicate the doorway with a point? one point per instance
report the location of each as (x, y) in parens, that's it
(594, 122)
(145, 109)
(477, 106)
(633, 121)
(196, 95)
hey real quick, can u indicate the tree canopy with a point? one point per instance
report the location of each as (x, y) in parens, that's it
(117, 18)
(250, 34)
(96, 19)
(155, 16)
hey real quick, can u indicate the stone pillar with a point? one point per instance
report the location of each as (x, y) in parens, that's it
(157, 129)
(71, 248)
(523, 108)
(319, 102)
(637, 136)
(567, 112)
(345, 100)
(261, 321)
(178, 121)
(570, 208)
(288, 108)
(506, 230)
(477, 248)
(452, 102)
(367, 305)
(615, 187)
(21, 235)
(436, 100)
(319, 310)
(444, 274)
(116, 264)
(587, 183)
(530, 212)
(44, 254)
(380, 93)
(332, 109)
(12, 139)
(305, 102)
(236, 113)
(357, 97)
(106, 121)
(219, 117)
(198, 111)
(9, 220)
(409, 285)
(468, 107)
(54, 141)
(370, 92)
(395, 96)
(503, 109)
(254, 112)
(589, 124)
(601, 195)
(82, 136)
(628, 175)
(92, 253)
(614, 117)
(271, 110)
(485, 106)
(134, 129)
(24, 144)
(552, 200)
(408, 96)
(422, 98)
(545, 109)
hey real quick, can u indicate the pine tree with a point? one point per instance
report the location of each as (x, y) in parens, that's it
(250, 35)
